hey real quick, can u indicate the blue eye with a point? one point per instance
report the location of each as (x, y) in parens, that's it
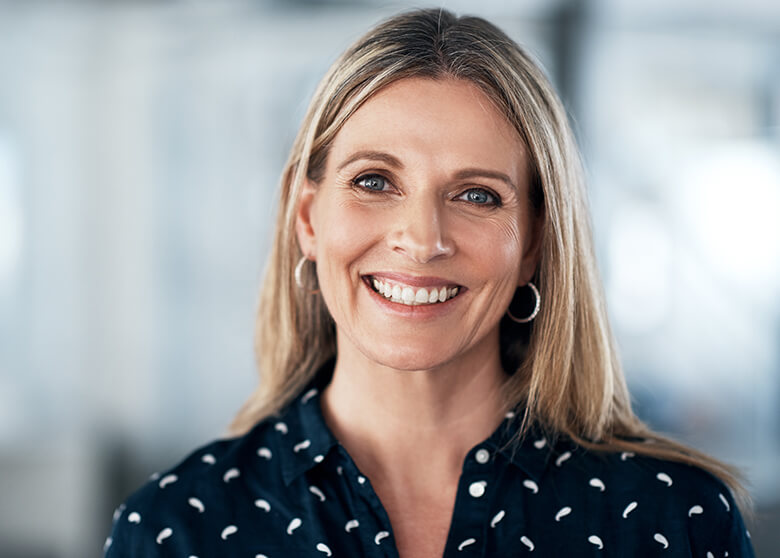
(371, 182)
(480, 196)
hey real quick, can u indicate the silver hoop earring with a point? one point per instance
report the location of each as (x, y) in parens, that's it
(298, 274)
(535, 310)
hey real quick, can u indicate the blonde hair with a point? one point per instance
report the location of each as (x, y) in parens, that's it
(565, 373)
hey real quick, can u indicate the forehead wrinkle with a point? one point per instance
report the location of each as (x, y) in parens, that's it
(491, 110)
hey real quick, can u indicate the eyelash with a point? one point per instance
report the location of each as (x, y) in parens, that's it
(495, 203)
(362, 177)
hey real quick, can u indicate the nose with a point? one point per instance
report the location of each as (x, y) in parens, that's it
(420, 232)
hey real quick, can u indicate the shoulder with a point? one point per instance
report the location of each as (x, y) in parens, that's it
(174, 506)
(669, 502)
(632, 471)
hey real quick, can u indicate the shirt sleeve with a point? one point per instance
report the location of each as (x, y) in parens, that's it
(131, 536)
(725, 533)
(142, 523)
(124, 544)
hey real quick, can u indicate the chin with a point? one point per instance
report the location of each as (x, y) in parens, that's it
(408, 358)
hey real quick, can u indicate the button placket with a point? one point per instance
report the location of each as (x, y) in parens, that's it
(477, 488)
(468, 535)
(371, 522)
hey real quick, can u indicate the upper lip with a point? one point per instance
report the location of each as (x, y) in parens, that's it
(412, 280)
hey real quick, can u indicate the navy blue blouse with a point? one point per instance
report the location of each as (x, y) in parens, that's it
(289, 489)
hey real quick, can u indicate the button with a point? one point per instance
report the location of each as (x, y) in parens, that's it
(482, 456)
(477, 489)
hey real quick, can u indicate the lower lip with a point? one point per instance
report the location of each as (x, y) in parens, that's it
(421, 311)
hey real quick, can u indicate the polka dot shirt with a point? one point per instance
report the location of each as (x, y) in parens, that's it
(289, 489)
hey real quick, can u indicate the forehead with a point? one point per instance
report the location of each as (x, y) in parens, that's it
(447, 122)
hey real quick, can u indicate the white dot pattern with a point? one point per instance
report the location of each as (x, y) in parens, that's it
(563, 512)
(288, 484)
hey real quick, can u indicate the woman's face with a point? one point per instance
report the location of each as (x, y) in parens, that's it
(424, 197)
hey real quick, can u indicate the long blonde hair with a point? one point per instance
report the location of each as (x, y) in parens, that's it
(565, 371)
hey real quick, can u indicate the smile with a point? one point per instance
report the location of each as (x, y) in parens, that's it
(411, 296)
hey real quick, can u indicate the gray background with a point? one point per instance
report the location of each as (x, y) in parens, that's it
(140, 148)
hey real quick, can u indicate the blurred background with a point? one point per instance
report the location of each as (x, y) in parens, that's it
(140, 148)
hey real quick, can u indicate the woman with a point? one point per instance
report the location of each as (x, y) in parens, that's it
(438, 374)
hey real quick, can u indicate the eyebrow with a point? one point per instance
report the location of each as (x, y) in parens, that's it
(471, 172)
(474, 172)
(372, 156)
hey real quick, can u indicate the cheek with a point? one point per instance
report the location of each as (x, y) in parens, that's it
(347, 228)
(495, 242)
(346, 232)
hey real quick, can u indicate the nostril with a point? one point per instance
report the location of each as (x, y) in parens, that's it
(421, 237)
(423, 253)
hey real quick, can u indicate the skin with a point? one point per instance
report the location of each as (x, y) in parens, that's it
(413, 392)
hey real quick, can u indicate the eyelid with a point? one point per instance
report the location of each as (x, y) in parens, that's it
(390, 184)
(497, 199)
(367, 174)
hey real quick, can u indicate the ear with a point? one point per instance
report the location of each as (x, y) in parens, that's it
(533, 251)
(305, 225)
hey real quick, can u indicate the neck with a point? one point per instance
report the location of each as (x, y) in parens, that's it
(397, 423)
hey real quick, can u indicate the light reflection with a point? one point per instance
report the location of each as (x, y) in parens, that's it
(639, 255)
(730, 196)
(10, 214)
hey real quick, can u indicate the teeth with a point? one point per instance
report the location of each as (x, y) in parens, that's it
(412, 297)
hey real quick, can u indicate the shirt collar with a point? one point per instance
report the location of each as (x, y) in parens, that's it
(305, 438)
(307, 441)
(531, 453)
